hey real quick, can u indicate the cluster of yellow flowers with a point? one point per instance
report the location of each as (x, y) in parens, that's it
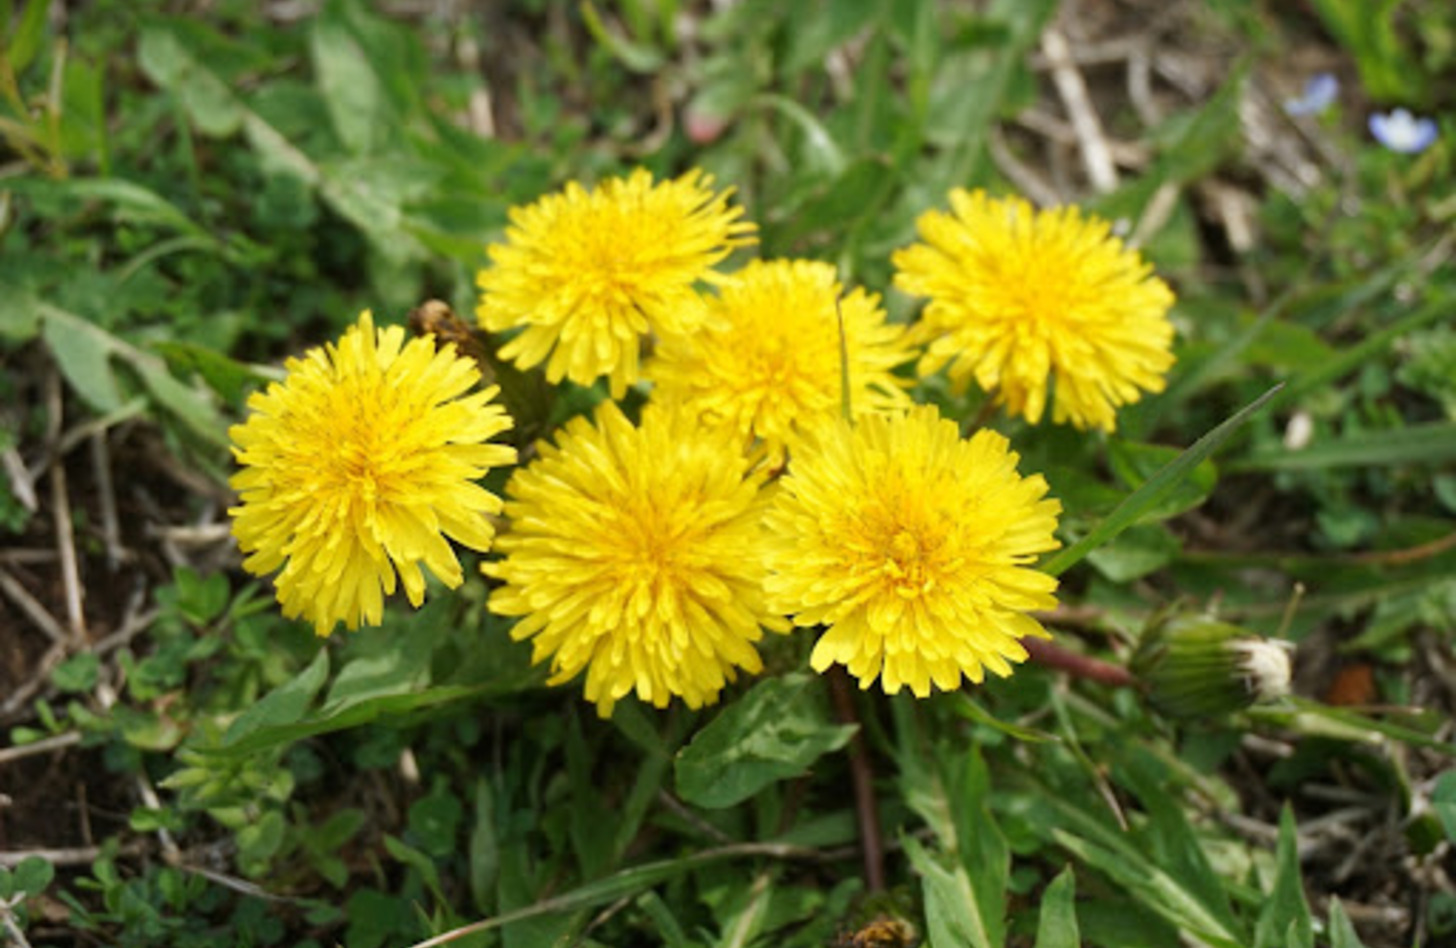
(780, 475)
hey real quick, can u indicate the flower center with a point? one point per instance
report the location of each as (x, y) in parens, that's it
(911, 562)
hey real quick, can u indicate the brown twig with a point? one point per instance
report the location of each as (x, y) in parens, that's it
(12, 928)
(75, 856)
(1072, 89)
(28, 604)
(43, 746)
(863, 778)
(1081, 666)
(65, 530)
(37, 680)
(106, 500)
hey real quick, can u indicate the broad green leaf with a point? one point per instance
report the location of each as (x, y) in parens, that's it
(33, 875)
(952, 915)
(1284, 921)
(775, 731)
(1142, 549)
(1140, 501)
(283, 706)
(1432, 443)
(372, 193)
(1056, 925)
(349, 83)
(171, 62)
(385, 674)
(174, 62)
(83, 352)
(190, 405)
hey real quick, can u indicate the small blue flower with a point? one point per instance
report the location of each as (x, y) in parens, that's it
(1400, 131)
(1319, 94)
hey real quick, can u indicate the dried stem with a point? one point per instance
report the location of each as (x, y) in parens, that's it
(866, 811)
(43, 746)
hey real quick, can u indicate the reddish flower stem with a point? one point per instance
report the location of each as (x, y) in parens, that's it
(1082, 666)
(863, 778)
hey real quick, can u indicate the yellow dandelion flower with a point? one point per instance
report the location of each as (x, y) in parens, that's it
(1018, 296)
(357, 467)
(585, 274)
(913, 548)
(635, 553)
(768, 362)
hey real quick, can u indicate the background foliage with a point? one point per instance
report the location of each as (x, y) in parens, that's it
(190, 192)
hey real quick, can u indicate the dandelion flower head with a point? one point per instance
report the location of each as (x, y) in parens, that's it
(635, 553)
(768, 362)
(584, 275)
(1023, 299)
(913, 547)
(357, 467)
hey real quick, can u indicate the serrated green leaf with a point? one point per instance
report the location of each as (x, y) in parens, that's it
(774, 732)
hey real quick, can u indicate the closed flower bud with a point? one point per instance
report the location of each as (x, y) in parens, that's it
(1196, 666)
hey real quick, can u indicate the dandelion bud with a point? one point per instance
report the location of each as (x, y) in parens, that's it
(1195, 666)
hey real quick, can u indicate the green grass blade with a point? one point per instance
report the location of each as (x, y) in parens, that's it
(1155, 488)
(1428, 443)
